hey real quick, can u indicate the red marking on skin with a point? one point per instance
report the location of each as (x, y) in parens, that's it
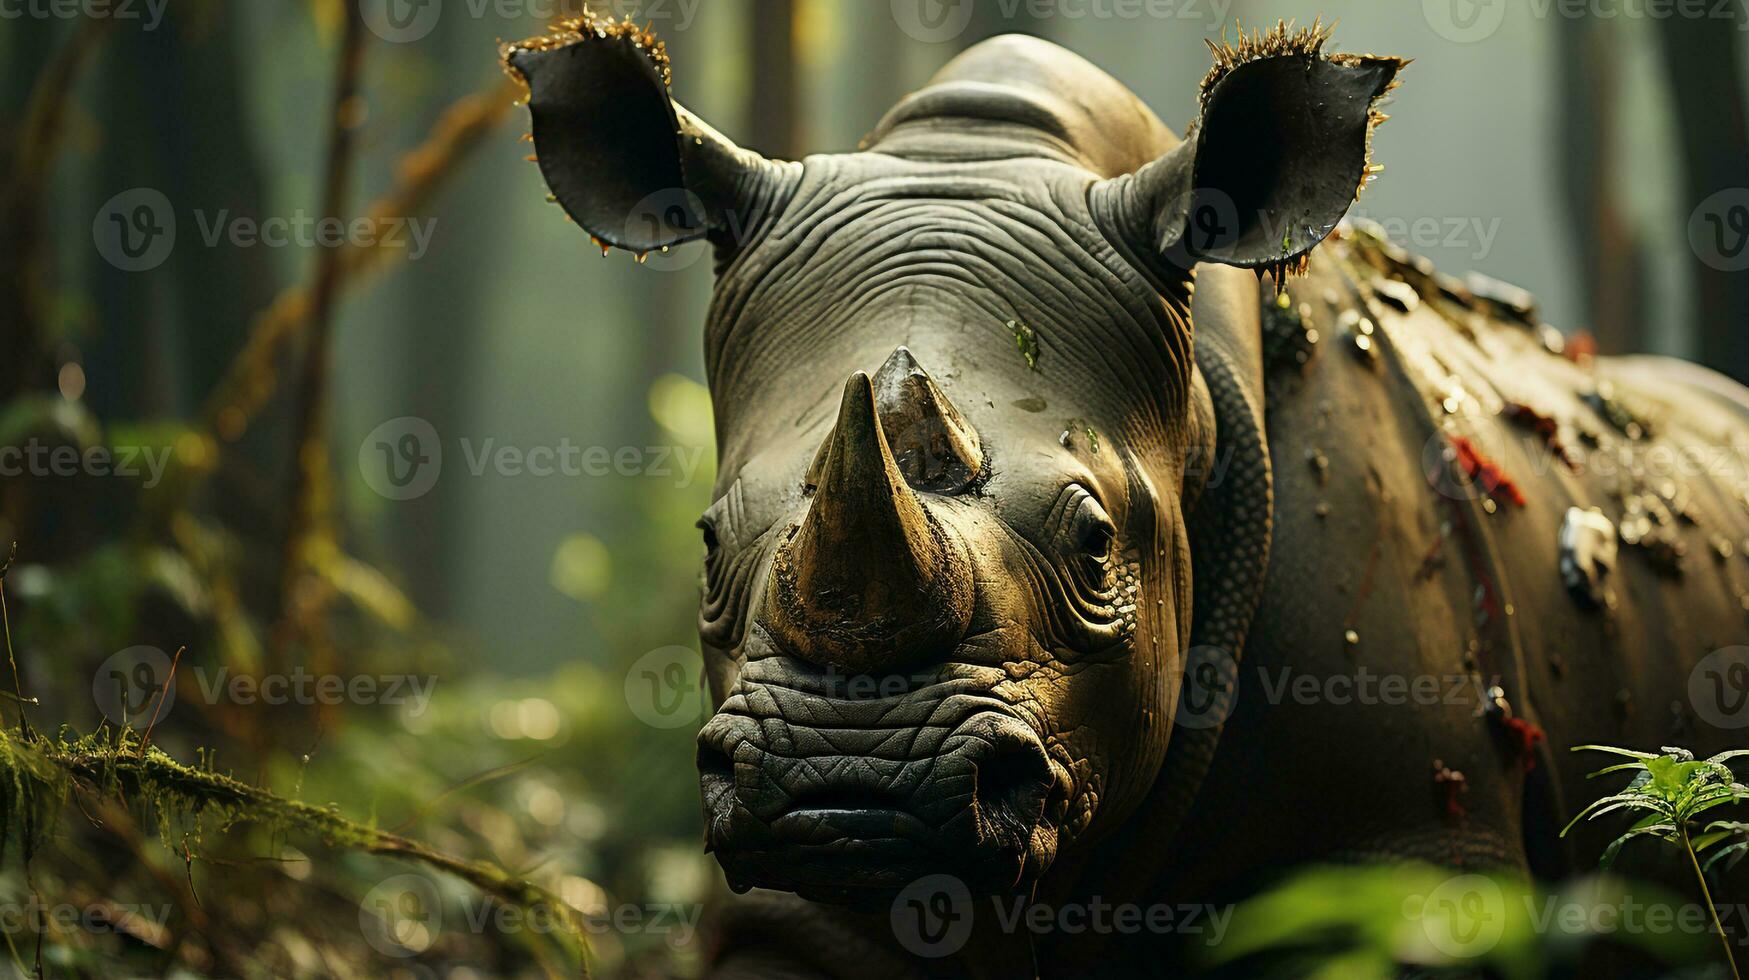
(1455, 785)
(1543, 425)
(1580, 347)
(1433, 560)
(1526, 737)
(1487, 473)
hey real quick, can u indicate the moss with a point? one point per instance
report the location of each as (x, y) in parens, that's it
(1026, 341)
(39, 775)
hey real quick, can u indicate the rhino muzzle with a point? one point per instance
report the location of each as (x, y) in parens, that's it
(856, 750)
(846, 789)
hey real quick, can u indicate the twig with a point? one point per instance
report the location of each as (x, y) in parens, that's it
(311, 479)
(6, 629)
(120, 774)
(474, 780)
(163, 695)
(251, 379)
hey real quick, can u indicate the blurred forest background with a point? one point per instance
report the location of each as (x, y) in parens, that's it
(1587, 158)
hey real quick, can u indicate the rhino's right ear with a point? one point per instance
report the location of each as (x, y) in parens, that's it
(1279, 154)
(627, 163)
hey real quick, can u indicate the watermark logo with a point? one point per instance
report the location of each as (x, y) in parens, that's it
(1211, 226)
(132, 686)
(401, 21)
(1207, 696)
(406, 21)
(671, 208)
(402, 916)
(1472, 236)
(135, 231)
(1718, 231)
(151, 12)
(664, 689)
(933, 21)
(1464, 21)
(402, 458)
(1718, 687)
(1463, 918)
(40, 460)
(932, 916)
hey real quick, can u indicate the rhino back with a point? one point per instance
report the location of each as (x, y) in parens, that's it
(1429, 446)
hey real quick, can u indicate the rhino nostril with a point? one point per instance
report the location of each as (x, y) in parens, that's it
(1010, 788)
(716, 777)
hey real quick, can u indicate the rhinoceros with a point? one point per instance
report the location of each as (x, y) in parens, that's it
(1086, 532)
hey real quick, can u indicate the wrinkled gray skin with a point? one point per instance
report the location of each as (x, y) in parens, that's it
(952, 590)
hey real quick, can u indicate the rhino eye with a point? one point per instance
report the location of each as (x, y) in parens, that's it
(1094, 530)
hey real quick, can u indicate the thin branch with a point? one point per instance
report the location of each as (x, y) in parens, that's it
(311, 486)
(11, 658)
(163, 695)
(252, 379)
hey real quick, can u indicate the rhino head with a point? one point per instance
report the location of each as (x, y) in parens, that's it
(948, 573)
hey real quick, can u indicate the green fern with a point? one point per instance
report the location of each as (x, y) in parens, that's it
(1672, 790)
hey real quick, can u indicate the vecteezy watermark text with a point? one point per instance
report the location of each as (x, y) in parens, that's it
(934, 916)
(404, 916)
(1470, 21)
(149, 12)
(134, 686)
(35, 459)
(402, 458)
(938, 21)
(405, 21)
(135, 231)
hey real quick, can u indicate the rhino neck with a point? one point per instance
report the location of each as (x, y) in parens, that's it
(1227, 317)
(1230, 529)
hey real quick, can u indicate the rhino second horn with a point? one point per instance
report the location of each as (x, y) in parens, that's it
(868, 581)
(938, 451)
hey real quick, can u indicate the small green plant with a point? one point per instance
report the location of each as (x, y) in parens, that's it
(1672, 790)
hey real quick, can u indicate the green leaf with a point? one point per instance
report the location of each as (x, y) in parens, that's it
(1613, 750)
(1610, 852)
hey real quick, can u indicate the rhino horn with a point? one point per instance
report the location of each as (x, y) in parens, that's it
(869, 580)
(936, 448)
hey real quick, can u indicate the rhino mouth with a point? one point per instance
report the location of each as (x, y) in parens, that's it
(808, 787)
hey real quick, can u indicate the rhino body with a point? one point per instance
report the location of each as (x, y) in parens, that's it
(1376, 540)
(1117, 530)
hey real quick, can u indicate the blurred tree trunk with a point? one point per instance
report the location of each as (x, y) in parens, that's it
(20, 214)
(171, 331)
(873, 54)
(774, 118)
(1706, 89)
(1611, 258)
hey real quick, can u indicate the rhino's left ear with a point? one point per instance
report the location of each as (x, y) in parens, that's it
(627, 163)
(1281, 151)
